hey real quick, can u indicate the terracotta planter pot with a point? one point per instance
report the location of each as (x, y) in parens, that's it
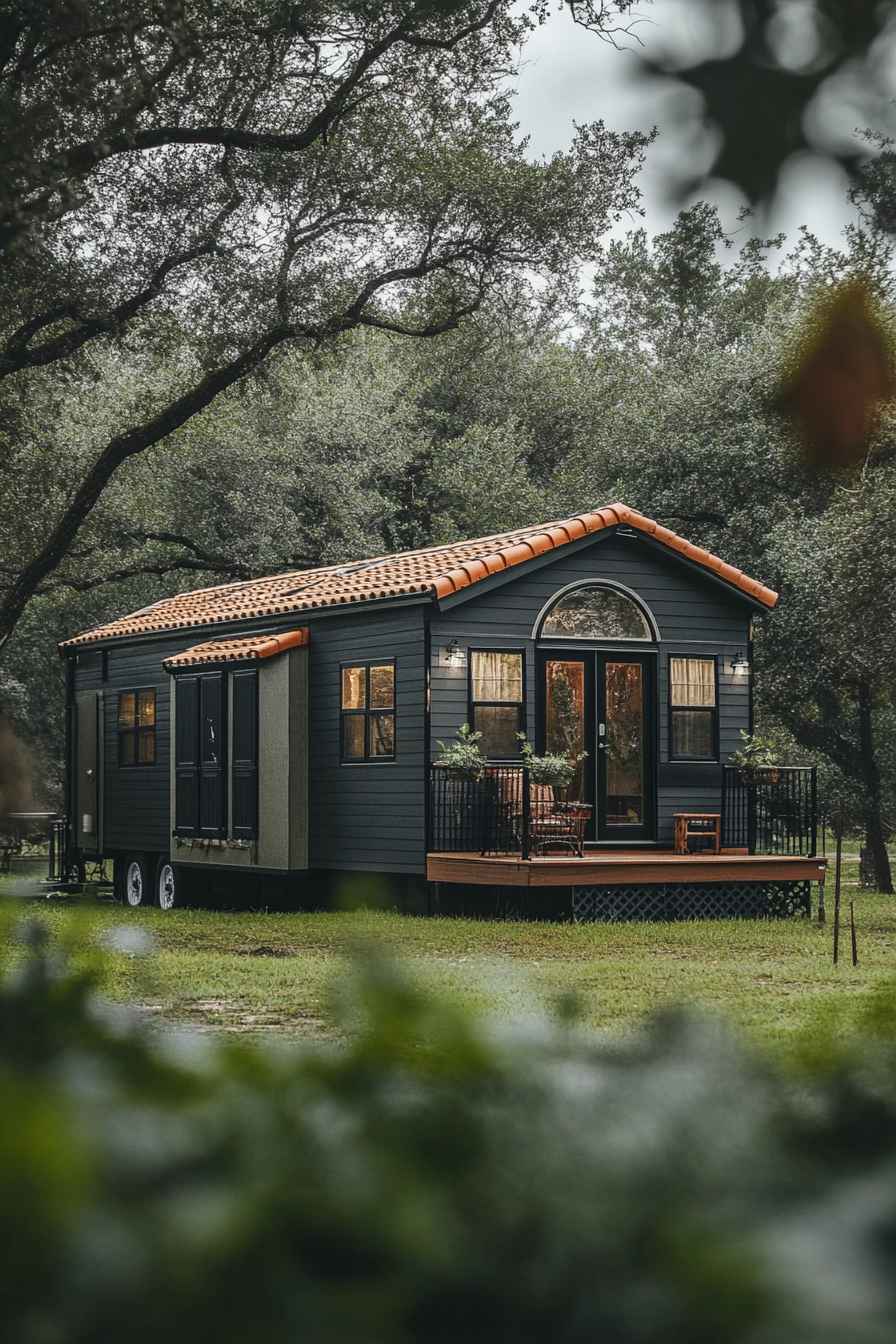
(754, 775)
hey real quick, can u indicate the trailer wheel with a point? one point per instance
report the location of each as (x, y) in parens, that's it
(169, 889)
(137, 880)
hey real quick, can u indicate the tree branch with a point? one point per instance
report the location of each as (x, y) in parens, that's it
(80, 159)
(19, 355)
(144, 436)
(118, 450)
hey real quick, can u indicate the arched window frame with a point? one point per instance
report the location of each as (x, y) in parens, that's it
(652, 638)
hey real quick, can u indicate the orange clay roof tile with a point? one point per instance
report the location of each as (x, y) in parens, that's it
(438, 570)
(237, 650)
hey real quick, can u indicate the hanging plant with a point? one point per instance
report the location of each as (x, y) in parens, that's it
(463, 759)
(759, 761)
(557, 771)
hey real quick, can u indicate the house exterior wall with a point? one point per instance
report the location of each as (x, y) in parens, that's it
(318, 812)
(282, 841)
(135, 800)
(695, 618)
(368, 816)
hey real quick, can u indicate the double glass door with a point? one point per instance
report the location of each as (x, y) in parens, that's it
(605, 704)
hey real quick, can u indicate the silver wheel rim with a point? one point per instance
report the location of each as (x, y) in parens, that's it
(166, 887)
(134, 885)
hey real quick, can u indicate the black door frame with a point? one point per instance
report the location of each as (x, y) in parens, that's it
(644, 833)
(595, 659)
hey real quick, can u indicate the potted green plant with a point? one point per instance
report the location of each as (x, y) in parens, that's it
(463, 759)
(759, 760)
(558, 771)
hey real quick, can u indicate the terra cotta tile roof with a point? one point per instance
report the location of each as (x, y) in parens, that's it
(238, 650)
(437, 570)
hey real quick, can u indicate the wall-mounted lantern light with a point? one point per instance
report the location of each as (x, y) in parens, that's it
(455, 656)
(740, 665)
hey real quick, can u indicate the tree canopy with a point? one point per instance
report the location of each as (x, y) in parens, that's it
(219, 180)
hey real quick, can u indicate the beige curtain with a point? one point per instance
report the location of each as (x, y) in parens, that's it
(693, 683)
(497, 676)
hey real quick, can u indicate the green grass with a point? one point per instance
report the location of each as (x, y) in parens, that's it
(276, 973)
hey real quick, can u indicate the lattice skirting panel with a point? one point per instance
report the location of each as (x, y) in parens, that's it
(696, 900)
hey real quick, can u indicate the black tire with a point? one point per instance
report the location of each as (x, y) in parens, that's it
(139, 872)
(118, 871)
(170, 884)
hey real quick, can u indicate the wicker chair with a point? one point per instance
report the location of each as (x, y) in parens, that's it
(552, 824)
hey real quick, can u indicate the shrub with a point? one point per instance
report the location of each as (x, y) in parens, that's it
(428, 1181)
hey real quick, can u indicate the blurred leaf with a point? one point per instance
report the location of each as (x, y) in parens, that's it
(842, 378)
(759, 110)
(757, 96)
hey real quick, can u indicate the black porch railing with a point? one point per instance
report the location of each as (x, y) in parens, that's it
(764, 811)
(770, 810)
(488, 815)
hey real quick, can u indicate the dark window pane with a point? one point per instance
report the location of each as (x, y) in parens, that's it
(499, 725)
(624, 748)
(127, 708)
(126, 749)
(497, 676)
(382, 734)
(353, 736)
(147, 746)
(596, 613)
(354, 687)
(382, 687)
(692, 734)
(147, 708)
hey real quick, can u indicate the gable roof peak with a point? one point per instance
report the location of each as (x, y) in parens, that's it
(436, 571)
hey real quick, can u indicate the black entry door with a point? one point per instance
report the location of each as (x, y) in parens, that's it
(626, 746)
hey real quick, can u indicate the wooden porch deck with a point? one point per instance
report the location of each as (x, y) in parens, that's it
(610, 868)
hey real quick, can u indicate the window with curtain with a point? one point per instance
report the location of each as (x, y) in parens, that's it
(496, 701)
(692, 709)
(368, 712)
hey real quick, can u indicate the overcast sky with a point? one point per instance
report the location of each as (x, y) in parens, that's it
(571, 75)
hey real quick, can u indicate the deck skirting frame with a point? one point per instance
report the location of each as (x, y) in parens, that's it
(671, 902)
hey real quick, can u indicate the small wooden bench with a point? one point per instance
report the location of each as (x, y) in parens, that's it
(699, 826)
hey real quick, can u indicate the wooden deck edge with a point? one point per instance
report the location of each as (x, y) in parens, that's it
(654, 871)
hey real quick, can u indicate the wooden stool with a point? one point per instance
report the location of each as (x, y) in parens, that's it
(697, 826)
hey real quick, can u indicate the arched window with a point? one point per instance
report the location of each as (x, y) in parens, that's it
(596, 612)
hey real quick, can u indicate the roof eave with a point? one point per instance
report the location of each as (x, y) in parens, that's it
(249, 624)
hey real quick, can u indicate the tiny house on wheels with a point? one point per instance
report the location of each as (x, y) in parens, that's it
(284, 733)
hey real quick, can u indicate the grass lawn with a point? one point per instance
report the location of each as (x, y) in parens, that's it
(264, 973)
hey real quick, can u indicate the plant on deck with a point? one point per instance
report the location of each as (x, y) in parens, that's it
(551, 768)
(463, 759)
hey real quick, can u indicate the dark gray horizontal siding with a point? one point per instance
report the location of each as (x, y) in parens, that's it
(683, 799)
(137, 798)
(684, 605)
(370, 816)
(694, 617)
(89, 670)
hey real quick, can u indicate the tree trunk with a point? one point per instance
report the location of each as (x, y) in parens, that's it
(116, 452)
(877, 858)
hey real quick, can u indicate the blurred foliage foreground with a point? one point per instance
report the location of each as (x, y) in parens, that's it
(433, 1179)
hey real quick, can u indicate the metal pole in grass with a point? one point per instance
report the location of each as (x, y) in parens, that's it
(526, 800)
(839, 834)
(852, 929)
(822, 916)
